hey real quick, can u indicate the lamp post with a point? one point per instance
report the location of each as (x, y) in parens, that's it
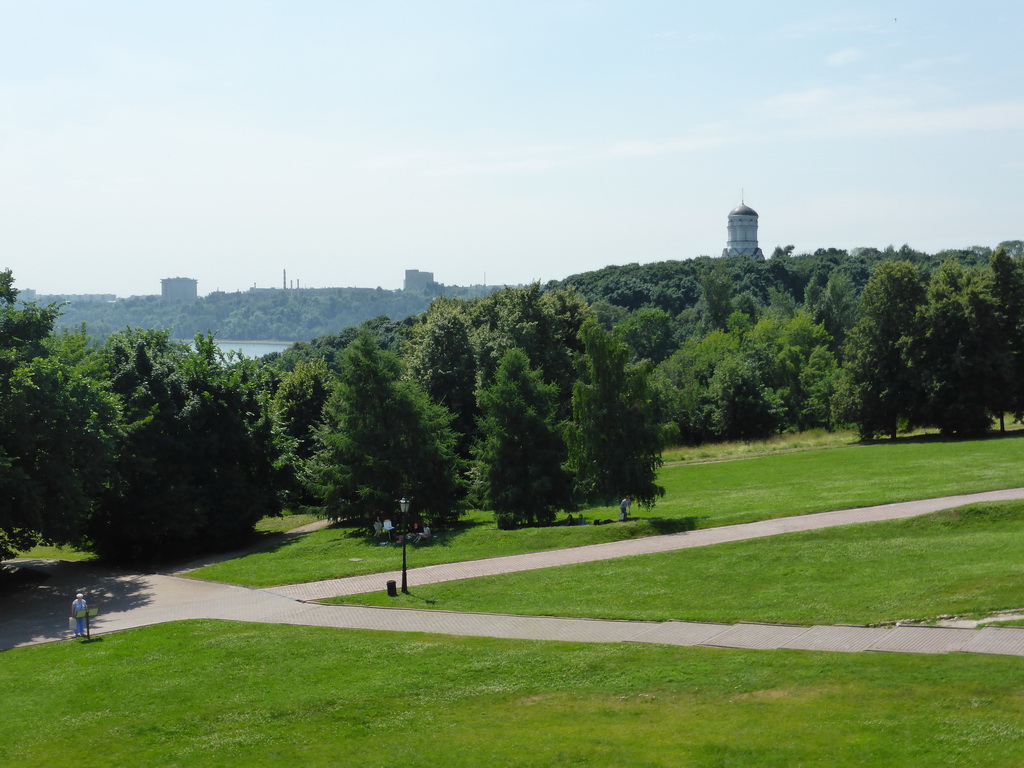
(404, 505)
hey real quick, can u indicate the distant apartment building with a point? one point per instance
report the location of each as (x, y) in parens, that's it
(416, 280)
(179, 289)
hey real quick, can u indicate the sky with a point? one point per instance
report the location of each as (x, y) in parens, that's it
(346, 141)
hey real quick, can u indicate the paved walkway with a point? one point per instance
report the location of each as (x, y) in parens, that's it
(433, 574)
(37, 614)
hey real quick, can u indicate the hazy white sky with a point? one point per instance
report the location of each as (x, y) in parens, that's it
(347, 141)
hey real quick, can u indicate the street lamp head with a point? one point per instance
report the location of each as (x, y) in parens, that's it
(404, 504)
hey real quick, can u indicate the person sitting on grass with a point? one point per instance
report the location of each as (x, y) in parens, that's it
(420, 536)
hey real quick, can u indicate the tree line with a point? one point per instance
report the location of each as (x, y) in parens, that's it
(527, 402)
(271, 314)
(141, 448)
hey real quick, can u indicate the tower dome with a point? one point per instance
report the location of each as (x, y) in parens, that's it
(742, 233)
(743, 210)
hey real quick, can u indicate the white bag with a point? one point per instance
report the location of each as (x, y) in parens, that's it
(72, 624)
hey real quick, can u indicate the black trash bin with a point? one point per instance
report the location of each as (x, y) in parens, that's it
(392, 589)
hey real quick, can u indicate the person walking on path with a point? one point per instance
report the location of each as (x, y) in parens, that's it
(79, 606)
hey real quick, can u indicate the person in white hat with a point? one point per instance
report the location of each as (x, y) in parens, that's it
(79, 604)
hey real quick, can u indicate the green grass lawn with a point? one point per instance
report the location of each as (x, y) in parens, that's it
(964, 562)
(336, 551)
(294, 696)
(776, 485)
(48, 552)
(697, 495)
(266, 526)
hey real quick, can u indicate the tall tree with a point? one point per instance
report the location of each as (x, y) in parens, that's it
(443, 361)
(716, 296)
(298, 411)
(836, 308)
(614, 441)
(521, 452)
(384, 439)
(648, 332)
(740, 403)
(56, 431)
(957, 351)
(196, 464)
(299, 402)
(880, 387)
(1008, 341)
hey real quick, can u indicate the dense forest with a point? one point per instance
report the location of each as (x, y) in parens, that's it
(270, 314)
(526, 402)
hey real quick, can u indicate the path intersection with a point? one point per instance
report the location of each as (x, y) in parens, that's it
(37, 614)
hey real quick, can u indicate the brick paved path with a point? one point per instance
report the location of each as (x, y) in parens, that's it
(38, 614)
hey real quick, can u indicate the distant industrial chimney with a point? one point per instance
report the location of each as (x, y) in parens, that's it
(284, 279)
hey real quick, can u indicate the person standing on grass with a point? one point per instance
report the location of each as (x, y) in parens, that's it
(77, 606)
(624, 509)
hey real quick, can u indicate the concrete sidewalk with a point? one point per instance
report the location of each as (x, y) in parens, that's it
(38, 614)
(433, 574)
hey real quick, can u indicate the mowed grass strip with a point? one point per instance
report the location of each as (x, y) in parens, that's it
(204, 694)
(697, 495)
(967, 561)
(339, 551)
(778, 485)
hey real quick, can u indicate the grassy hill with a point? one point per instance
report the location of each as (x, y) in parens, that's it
(223, 694)
(700, 495)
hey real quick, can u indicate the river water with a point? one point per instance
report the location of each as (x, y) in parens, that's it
(253, 348)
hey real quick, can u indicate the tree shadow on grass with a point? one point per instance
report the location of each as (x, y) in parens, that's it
(664, 525)
(938, 437)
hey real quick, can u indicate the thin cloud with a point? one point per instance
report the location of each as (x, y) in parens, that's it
(921, 65)
(844, 57)
(828, 113)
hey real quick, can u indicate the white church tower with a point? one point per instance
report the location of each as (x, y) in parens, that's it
(742, 230)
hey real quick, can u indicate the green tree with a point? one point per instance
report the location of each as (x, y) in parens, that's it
(545, 325)
(614, 441)
(819, 377)
(299, 401)
(443, 361)
(740, 402)
(880, 388)
(521, 452)
(682, 381)
(195, 467)
(384, 439)
(648, 332)
(56, 431)
(298, 411)
(716, 296)
(836, 308)
(1007, 391)
(784, 348)
(957, 352)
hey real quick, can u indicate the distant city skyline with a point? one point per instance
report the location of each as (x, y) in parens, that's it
(347, 142)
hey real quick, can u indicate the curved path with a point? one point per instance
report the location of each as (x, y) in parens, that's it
(37, 614)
